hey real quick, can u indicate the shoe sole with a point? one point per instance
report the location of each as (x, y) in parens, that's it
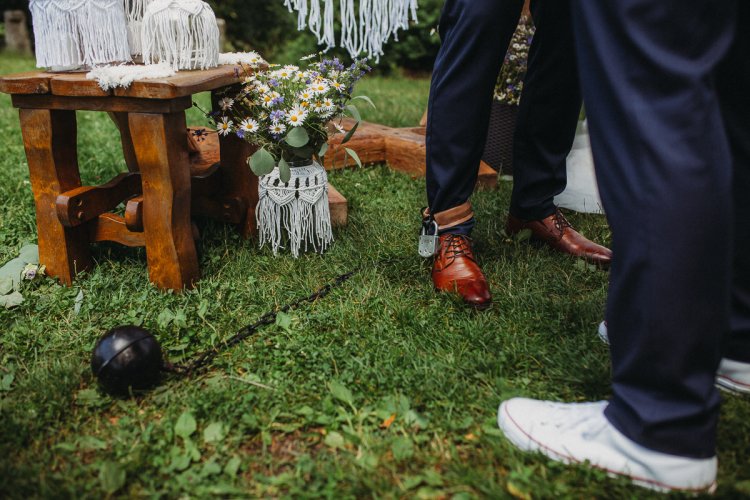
(529, 444)
(728, 384)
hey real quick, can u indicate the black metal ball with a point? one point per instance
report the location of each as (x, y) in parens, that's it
(125, 358)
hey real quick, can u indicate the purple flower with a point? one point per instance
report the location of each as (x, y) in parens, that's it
(273, 82)
(277, 116)
(241, 134)
(277, 101)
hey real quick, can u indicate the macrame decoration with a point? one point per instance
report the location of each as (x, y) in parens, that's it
(296, 212)
(73, 33)
(366, 32)
(181, 33)
(135, 10)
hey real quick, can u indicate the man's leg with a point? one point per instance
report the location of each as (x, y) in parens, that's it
(733, 80)
(545, 130)
(665, 180)
(475, 36)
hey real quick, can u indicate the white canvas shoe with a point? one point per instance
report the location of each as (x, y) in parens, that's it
(603, 333)
(578, 433)
(733, 376)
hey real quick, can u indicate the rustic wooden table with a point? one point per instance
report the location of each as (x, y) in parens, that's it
(162, 188)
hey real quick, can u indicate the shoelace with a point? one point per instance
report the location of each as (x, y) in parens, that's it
(561, 222)
(457, 245)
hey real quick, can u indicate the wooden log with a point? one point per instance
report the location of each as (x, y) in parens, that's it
(29, 82)
(339, 207)
(111, 227)
(162, 156)
(369, 145)
(134, 214)
(50, 140)
(406, 152)
(86, 203)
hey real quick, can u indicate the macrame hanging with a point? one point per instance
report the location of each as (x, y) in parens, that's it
(296, 212)
(73, 33)
(181, 33)
(377, 22)
(135, 10)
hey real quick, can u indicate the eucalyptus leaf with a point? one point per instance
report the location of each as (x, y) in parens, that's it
(349, 134)
(29, 254)
(13, 270)
(214, 433)
(366, 99)
(354, 156)
(323, 150)
(6, 285)
(297, 137)
(11, 300)
(285, 172)
(354, 112)
(262, 163)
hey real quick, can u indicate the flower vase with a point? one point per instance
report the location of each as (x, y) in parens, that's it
(498, 150)
(295, 212)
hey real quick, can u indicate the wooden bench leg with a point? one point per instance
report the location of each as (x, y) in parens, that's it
(121, 120)
(239, 180)
(161, 154)
(51, 150)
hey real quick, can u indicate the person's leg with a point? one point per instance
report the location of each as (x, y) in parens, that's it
(475, 37)
(733, 80)
(658, 139)
(548, 113)
(665, 176)
(545, 130)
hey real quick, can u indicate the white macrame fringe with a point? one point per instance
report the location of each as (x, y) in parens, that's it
(364, 32)
(249, 58)
(71, 33)
(181, 33)
(135, 10)
(299, 215)
(110, 77)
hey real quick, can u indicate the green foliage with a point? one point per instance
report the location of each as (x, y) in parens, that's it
(266, 26)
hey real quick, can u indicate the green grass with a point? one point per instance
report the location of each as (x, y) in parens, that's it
(385, 345)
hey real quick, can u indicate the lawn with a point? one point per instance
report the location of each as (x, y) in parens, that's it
(382, 389)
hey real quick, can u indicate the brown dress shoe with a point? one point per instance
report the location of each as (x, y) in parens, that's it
(456, 270)
(558, 233)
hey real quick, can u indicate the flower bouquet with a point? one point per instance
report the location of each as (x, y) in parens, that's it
(288, 113)
(498, 151)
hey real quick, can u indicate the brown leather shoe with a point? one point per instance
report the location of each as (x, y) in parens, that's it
(558, 233)
(456, 270)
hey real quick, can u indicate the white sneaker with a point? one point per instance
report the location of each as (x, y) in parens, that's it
(577, 433)
(603, 333)
(733, 376)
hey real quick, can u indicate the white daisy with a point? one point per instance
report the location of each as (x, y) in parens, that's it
(225, 127)
(328, 104)
(306, 95)
(291, 68)
(338, 86)
(277, 128)
(249, 126)
(319, 87)
(296, 117)
(266, 99)
(262, 88)
(226, 103)
(339, 128)
(319, 107)
(284, 73)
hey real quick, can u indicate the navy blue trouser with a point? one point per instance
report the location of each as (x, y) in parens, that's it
(667, 178)
(475, 36)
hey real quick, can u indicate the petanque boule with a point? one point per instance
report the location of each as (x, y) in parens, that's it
(127, 358)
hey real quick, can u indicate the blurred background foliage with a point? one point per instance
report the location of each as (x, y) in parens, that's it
(268, 27)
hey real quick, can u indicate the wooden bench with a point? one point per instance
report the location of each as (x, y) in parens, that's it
(162, 188)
